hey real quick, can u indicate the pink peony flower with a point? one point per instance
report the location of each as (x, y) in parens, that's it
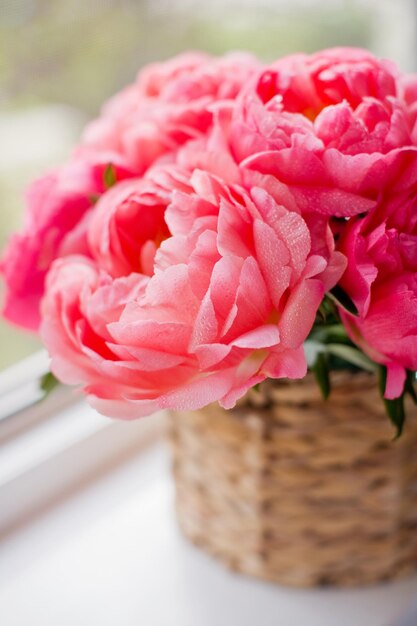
(193, 268)
(128, 222)
(232, 297)
(381, 279)
(169, 104)
(58, 207)
(331, 127)
(407, 87)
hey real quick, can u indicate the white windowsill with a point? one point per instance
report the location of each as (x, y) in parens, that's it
(60, 454)
(111, 554)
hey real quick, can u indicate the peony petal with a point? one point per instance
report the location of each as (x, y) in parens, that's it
(211, 354)
(205, 327)
(300, 312)
(283, 363)
(273, 258)
(396, 376)
(263, 337)
(199, 392)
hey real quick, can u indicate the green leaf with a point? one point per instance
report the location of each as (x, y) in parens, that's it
(312, 349)
(321, 314)
(337, 330)
(321, 372)
(48, 383)
(340, 297)
(382, 379)
(351, 355)
(327, 312)
(109, 176)
(394, 408)
(409, 385)
(396, 413)
(330, 333)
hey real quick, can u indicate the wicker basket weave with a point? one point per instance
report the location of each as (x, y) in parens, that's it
(299, 491)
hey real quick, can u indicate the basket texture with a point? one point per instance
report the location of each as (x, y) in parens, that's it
(299, 491)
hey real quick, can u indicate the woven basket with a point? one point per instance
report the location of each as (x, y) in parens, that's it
(299, 491)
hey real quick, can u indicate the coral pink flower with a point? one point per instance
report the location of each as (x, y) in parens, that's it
(55, 225)
(233, 296)
(331, 126)
(239, 196)
(408, 92)
(381, 278)
(128, 222)
(169, 104)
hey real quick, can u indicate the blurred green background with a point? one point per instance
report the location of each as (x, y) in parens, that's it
(59, 59)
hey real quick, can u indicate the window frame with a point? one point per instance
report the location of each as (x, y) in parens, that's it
(51, 447)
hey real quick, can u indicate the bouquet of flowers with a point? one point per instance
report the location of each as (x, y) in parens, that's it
(223, 222)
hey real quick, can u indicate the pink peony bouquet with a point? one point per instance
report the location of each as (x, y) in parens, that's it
(223, 222)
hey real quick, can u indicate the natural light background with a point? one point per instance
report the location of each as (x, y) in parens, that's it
(59, 59)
